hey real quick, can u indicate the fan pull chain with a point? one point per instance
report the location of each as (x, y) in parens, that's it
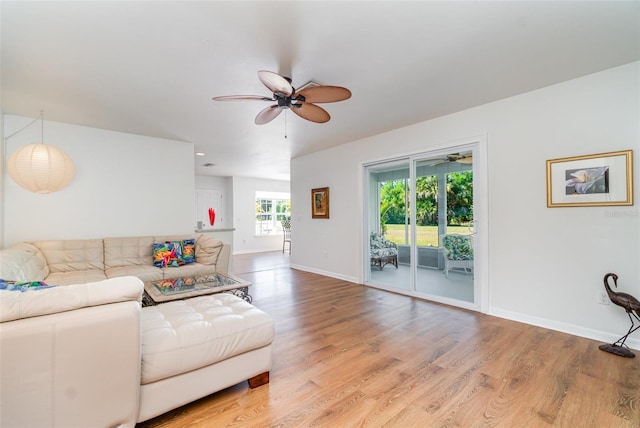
(285, 124)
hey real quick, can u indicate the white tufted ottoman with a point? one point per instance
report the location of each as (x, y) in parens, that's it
(192, 348)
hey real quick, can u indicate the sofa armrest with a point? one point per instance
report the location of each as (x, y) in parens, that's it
(15, 305)
(222, 264)
(23, 262)
(78, 367)
(213, 252)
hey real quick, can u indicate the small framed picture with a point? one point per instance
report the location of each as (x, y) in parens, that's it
(593, 180)
(320, 202)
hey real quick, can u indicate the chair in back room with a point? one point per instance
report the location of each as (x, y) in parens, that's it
(286, 230)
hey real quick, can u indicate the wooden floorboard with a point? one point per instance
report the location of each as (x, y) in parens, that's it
(346, 355)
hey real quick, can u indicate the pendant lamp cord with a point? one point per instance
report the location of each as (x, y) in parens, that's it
(41, 118)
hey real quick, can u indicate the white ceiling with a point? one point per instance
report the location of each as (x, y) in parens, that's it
(151, 68)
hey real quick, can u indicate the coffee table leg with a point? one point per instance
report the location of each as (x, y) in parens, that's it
(243, 293)
(147, 300)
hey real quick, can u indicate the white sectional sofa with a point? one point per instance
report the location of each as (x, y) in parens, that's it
(84, 353)
(64, 262)
(88, 355)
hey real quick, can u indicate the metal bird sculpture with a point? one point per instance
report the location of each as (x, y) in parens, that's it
(632, 306)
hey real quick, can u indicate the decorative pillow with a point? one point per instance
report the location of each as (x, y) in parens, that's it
(175, 258)
(160, 254)
(23, 285)
(167, 254)
(459, 247)
(189, 251)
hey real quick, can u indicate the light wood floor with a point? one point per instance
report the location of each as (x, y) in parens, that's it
(351, 356)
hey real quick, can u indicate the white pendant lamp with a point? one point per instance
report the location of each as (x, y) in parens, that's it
(39, 167)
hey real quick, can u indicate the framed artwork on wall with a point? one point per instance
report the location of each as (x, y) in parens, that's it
(320, 202)
(602, 179)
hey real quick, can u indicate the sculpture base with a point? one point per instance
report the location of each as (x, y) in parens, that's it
(618, 350)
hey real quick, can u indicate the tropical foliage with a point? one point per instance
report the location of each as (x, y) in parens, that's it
(460, 197)
(394, 200)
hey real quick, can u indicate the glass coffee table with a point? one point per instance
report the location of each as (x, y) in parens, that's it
(166, 290)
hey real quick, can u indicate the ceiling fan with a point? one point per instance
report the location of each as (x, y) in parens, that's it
(463, 158)
(285, 96)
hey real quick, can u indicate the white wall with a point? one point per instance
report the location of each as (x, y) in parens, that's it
(244, 214)
(2, 176)
(545, 264)
(124, 185)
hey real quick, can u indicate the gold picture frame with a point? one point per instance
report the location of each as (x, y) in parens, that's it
(604, 179)
(320, 202)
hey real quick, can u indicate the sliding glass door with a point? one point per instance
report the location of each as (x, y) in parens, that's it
(388, 216)
(420, 225)
(444, 225)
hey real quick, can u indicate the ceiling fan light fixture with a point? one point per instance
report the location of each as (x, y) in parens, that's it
(285, 96)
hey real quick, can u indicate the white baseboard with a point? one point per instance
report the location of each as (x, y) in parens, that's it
(325, 273)
(600, 336)
(263, 250)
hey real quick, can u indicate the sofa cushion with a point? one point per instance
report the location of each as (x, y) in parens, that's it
(185, 335)
(23, 262)
(145, 273)
(75, 277)
(128, 251)
(208, 249)
(15, 306)
(72, 255)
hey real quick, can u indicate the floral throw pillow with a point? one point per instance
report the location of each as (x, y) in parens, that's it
(23, 285)
(167, 254)
(189, 251)
(174, 253)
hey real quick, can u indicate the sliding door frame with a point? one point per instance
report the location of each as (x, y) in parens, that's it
(478, 145)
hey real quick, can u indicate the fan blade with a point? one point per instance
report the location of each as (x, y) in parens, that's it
(311, 112)
(325, 94)
(275, 82)
(268, 114)
(242, 98)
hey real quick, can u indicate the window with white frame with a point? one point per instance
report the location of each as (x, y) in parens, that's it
(271, 209)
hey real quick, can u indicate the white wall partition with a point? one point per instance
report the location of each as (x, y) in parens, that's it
(545, 265)
(124, 185)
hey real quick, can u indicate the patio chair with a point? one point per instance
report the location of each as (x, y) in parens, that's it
(457, 251)
(383, 252)
(286, 230)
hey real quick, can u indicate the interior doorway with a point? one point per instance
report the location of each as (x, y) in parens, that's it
(423, 208)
